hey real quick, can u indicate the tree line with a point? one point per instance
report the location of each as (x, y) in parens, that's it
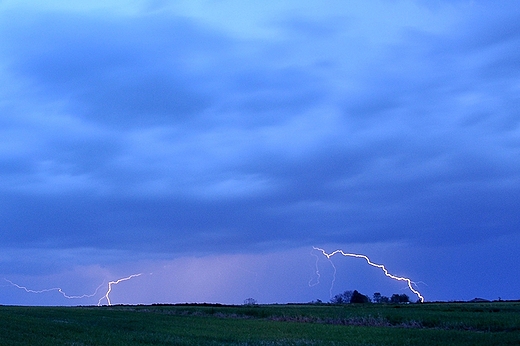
(349, 297)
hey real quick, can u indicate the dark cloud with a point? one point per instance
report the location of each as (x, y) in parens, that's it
(129, 72)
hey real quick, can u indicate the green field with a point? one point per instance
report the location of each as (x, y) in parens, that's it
(495, 323)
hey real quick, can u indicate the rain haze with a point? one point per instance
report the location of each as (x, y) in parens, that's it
(209, 145)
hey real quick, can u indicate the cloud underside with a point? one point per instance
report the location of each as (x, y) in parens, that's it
(165, 132)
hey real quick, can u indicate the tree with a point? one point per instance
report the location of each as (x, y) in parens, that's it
(377, 297)
(403, 298)
(359, 298)
(250, 301)
(394, 299)
(399, 298)
(342, 298)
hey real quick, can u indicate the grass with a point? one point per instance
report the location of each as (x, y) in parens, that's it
(366, 324)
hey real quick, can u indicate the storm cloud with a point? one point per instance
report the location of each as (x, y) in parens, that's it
(154, 131)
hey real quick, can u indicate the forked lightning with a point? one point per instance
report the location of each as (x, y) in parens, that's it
(55, 289)
(58, 289)
(380, 266)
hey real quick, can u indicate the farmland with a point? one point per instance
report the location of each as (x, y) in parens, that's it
(213, 324)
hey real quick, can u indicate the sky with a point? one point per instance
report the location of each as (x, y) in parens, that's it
(209, 145)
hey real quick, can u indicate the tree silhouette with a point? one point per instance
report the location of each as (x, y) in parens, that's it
(359, 298)
(250, 301)
(342, 298)
(399, 298)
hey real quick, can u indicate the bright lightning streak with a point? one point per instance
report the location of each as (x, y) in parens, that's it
(110, 283)
(380, 266)
(55, 289)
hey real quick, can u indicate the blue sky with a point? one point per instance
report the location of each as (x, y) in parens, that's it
(211, 144)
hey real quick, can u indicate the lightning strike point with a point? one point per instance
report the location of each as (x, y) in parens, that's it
(110, 283)
(409, 282)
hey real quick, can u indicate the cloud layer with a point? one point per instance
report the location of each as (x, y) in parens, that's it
(206, 128)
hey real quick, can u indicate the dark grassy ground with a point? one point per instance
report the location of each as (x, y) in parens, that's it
(366, 324)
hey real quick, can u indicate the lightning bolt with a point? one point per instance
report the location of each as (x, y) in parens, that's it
(380, 266)
(55, 289)
(110, 283)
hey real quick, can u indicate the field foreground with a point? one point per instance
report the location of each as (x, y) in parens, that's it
(495, 323)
